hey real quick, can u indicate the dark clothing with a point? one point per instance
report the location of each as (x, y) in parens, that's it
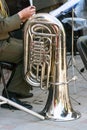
(9, 24)
(16, 5)
(82, 48)
(11, 50)
(47, 5)
(81, 12)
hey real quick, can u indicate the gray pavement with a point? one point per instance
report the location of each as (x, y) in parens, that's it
(20, 120)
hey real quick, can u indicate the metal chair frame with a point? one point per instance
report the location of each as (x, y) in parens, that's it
(3, 100)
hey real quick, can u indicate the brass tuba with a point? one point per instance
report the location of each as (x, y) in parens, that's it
(45, 64)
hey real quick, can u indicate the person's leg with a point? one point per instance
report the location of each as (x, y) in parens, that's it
(17, 84)
(82, 48)
(13, 52)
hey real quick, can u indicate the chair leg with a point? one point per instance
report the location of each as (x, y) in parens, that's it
(3, 81)
(6, 84)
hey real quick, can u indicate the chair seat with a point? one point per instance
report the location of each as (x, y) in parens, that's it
(7, 65)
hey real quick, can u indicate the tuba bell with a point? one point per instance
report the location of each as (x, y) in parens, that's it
(45, 64)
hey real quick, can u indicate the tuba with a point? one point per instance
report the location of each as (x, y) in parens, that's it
(45, 64)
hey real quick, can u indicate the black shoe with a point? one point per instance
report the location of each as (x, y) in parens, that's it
(18, 102)
(12, 97)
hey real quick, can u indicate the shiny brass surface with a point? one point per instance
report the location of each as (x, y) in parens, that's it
(45, 64)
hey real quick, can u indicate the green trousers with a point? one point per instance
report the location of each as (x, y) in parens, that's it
(12, 51)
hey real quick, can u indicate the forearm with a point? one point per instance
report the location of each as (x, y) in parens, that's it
(14, 22)
(10, 24)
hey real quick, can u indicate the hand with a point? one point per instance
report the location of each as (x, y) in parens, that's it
(27, 13)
